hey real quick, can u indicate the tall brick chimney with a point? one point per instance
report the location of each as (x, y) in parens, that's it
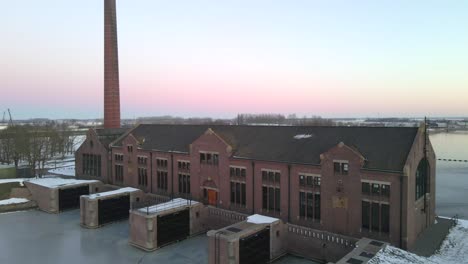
(111, 67)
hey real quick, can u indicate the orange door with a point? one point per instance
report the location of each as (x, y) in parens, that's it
(212, 197)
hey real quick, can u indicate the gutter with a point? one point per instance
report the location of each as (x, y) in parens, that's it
(401, 211)
(253, 187)
(172, 176)
(151, 172)
(289, 193)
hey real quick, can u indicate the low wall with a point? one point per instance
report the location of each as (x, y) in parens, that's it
(216, 218)
(46, 198)
(315, 244)
(17, 207)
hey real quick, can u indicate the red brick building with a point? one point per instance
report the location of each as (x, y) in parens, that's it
(356, 181)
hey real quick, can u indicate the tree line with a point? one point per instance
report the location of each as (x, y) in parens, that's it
(35, 144)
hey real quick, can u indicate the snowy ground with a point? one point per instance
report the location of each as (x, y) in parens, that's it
(454, 250)
(13, 201)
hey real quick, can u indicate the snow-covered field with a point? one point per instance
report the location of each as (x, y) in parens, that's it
(454, 250)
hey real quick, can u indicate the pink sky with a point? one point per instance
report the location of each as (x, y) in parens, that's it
(220, 59)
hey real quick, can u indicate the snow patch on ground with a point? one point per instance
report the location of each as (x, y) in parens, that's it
(66, 171)
(109, 193)
(13, 201)
(302, 136)
(58, 182)
(174, 203)
(260, 219)
(454, 250)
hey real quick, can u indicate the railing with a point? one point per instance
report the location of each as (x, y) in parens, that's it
(230, 215)
(321, 235)
(453, 160)
(150, 204)
(175, 203)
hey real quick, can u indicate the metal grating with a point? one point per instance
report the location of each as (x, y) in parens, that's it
(354, 261)
(366, 255)
(376, 243)
(234, 229)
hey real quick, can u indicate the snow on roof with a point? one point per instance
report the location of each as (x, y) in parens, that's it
(13, 201)
(58, 182)
(12, 180)
(109, 193)
(302, 136)
(174, 203)
(260, 219)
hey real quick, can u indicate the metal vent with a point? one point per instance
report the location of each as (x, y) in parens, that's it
(234, 229)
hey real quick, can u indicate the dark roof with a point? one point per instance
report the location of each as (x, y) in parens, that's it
(108, 135)
(385, 148)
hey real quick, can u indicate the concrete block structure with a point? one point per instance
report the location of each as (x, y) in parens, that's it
(375, 182)
(256, 240)
(155, 226)
(102, 208)
(54, 195)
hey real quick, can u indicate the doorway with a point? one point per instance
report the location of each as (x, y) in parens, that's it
(212, 197)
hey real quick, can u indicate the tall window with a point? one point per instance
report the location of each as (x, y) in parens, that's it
(92, 165)
(237, 172)
(238, 193)
(210, 158)
(421, 178)
(183, 165)
(161, 163)
(118, 173)
(309, 205)
(184, 183)
(375, 216)
(271, 198)
(118, 157)
(309, 181)
(375, 189)
(271, 177)
(161, 180)
(341, 167)
(142, 177)
(142, 160)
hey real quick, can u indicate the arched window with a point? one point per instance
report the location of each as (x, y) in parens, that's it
(421, 178)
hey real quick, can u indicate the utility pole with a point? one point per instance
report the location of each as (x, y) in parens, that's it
(11, 119)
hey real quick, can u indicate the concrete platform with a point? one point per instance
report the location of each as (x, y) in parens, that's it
(430, 239)
(41, 238)
(37, 237)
